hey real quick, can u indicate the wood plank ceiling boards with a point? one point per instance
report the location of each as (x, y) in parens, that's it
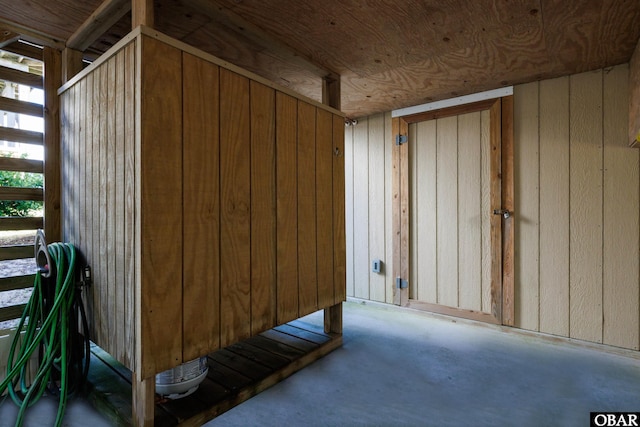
(389, 54)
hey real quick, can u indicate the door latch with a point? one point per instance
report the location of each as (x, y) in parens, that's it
(505, 213)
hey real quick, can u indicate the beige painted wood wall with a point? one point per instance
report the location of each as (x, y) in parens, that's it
(450, 213)
(577, 188)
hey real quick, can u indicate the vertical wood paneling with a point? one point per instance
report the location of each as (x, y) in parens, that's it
(235, 208)
(102, 278)
(111, 204)
(306, 180)
(554, 206)
(324, 200)
(263, 208)
(87, 249)
(286, 196)
(585, 260)
(80, 162)
(426, 214)
(95, 204)
(447, 201)
(376, 204)
(161, 209)
(486, 212)
(118, 205)
(200, 207)
(620, 291)
(339, 259)
(361, 208)
(130, 254)
(469, 221)
(349, 192)
(526, 165)
(64, 153)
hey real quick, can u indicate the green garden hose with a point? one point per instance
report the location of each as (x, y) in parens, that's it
(50, 324)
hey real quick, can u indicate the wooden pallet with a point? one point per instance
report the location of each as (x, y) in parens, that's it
(236, 373)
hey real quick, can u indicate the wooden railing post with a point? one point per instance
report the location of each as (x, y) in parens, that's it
(52, 81)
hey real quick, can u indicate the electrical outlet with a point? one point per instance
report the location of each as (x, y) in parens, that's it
(376, 266)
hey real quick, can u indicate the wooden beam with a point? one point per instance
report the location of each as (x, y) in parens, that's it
(21, 193)
(20, 107)
(331, 90)
(20, 223)
(22, 48)
(31, 35)
(20, 165)
(16, 252)
(51, 140)
(8, 37)
(21, 77)
(227, 18)
(71, 64)
(20, 135)
(16, 282)
(142, 13)
(103, 18)
(11, 312)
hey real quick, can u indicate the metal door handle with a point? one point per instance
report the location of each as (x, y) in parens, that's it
(505, 213)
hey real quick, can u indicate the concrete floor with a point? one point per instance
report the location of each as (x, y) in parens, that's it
(405, 368)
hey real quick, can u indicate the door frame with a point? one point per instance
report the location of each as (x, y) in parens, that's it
(502, 198)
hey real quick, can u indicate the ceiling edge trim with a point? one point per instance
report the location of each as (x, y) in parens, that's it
(453, 102)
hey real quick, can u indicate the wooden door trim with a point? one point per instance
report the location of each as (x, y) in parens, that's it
(502, 283)
(400, 210)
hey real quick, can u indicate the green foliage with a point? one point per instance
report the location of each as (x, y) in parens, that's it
(20, 179)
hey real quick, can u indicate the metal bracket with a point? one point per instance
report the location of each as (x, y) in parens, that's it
(401, 139)
(401, 284)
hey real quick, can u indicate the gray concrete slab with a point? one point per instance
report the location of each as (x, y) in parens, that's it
(400, 367)
(404, 368)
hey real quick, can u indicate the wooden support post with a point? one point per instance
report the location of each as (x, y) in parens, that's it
(142, 13)
(71, 63)
(331, 91)
(52, 81)
(143, 393)
(331, 97)
(333, 319)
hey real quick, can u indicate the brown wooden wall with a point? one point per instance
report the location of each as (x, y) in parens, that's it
(99, 163)
(217, 202)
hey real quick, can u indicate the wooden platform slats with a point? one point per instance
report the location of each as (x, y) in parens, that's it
(236, 373)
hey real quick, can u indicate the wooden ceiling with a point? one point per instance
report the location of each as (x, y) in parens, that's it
(389, 53)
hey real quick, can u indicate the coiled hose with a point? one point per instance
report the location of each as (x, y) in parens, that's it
(50, 324)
